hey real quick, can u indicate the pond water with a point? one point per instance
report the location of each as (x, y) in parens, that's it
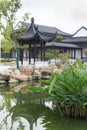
(21, 110)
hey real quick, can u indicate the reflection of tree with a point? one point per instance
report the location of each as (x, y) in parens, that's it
(4, 88)
(6, 102)
(31, 108)
(6, 106)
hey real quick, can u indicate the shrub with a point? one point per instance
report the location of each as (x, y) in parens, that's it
(64, 59)
(49, 55)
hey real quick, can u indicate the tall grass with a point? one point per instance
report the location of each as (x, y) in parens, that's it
(69, 91)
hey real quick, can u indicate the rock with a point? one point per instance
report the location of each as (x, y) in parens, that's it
(45, 74)
(37, 72)
(29, 78)
(2, 82)
(5, 78)
(21, 78)
(12, 81)
(26, 70)
(36, 75)
(16, 72)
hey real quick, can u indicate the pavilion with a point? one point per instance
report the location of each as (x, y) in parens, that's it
(35, 38)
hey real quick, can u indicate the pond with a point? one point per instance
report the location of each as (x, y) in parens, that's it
(21, 110)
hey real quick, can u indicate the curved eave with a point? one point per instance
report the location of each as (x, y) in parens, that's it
(46, 37)
(34, 34)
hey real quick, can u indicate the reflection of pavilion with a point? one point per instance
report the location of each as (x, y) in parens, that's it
(31, 111)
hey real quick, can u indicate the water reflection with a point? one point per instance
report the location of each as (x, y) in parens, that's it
(32, 111)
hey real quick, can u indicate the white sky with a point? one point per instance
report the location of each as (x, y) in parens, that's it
(66, 15)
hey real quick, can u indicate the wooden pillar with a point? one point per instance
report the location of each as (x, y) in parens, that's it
(34, 51)
(81, 53)
(74, 53)
(20, 51)
(21, 55)
(29, 53)
(26, 54)
(44, 51)
(71, 53)
(41, 51)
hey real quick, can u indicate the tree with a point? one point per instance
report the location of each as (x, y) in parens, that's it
(8, 10)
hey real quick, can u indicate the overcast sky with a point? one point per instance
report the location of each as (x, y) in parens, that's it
(66, 15)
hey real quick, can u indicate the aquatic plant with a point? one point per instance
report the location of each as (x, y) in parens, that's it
(69, 91)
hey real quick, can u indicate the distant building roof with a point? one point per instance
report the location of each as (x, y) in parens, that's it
(80, 36)
(75, 40)
(82, 32)
(62, 45)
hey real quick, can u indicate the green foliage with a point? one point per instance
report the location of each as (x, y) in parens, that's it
(6, 45)
(45, 85)
(8, 10)
(6, 60)
(64, 59)
(35, 89)
(69, 91)
(49, 55)
(26, 16)
(52, 83)
(6, 41)
(58, 38)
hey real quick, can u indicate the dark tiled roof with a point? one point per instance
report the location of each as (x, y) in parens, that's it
(75, 40)
(34, 33)
(62, 45)
(45, 29)
(48, 29)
